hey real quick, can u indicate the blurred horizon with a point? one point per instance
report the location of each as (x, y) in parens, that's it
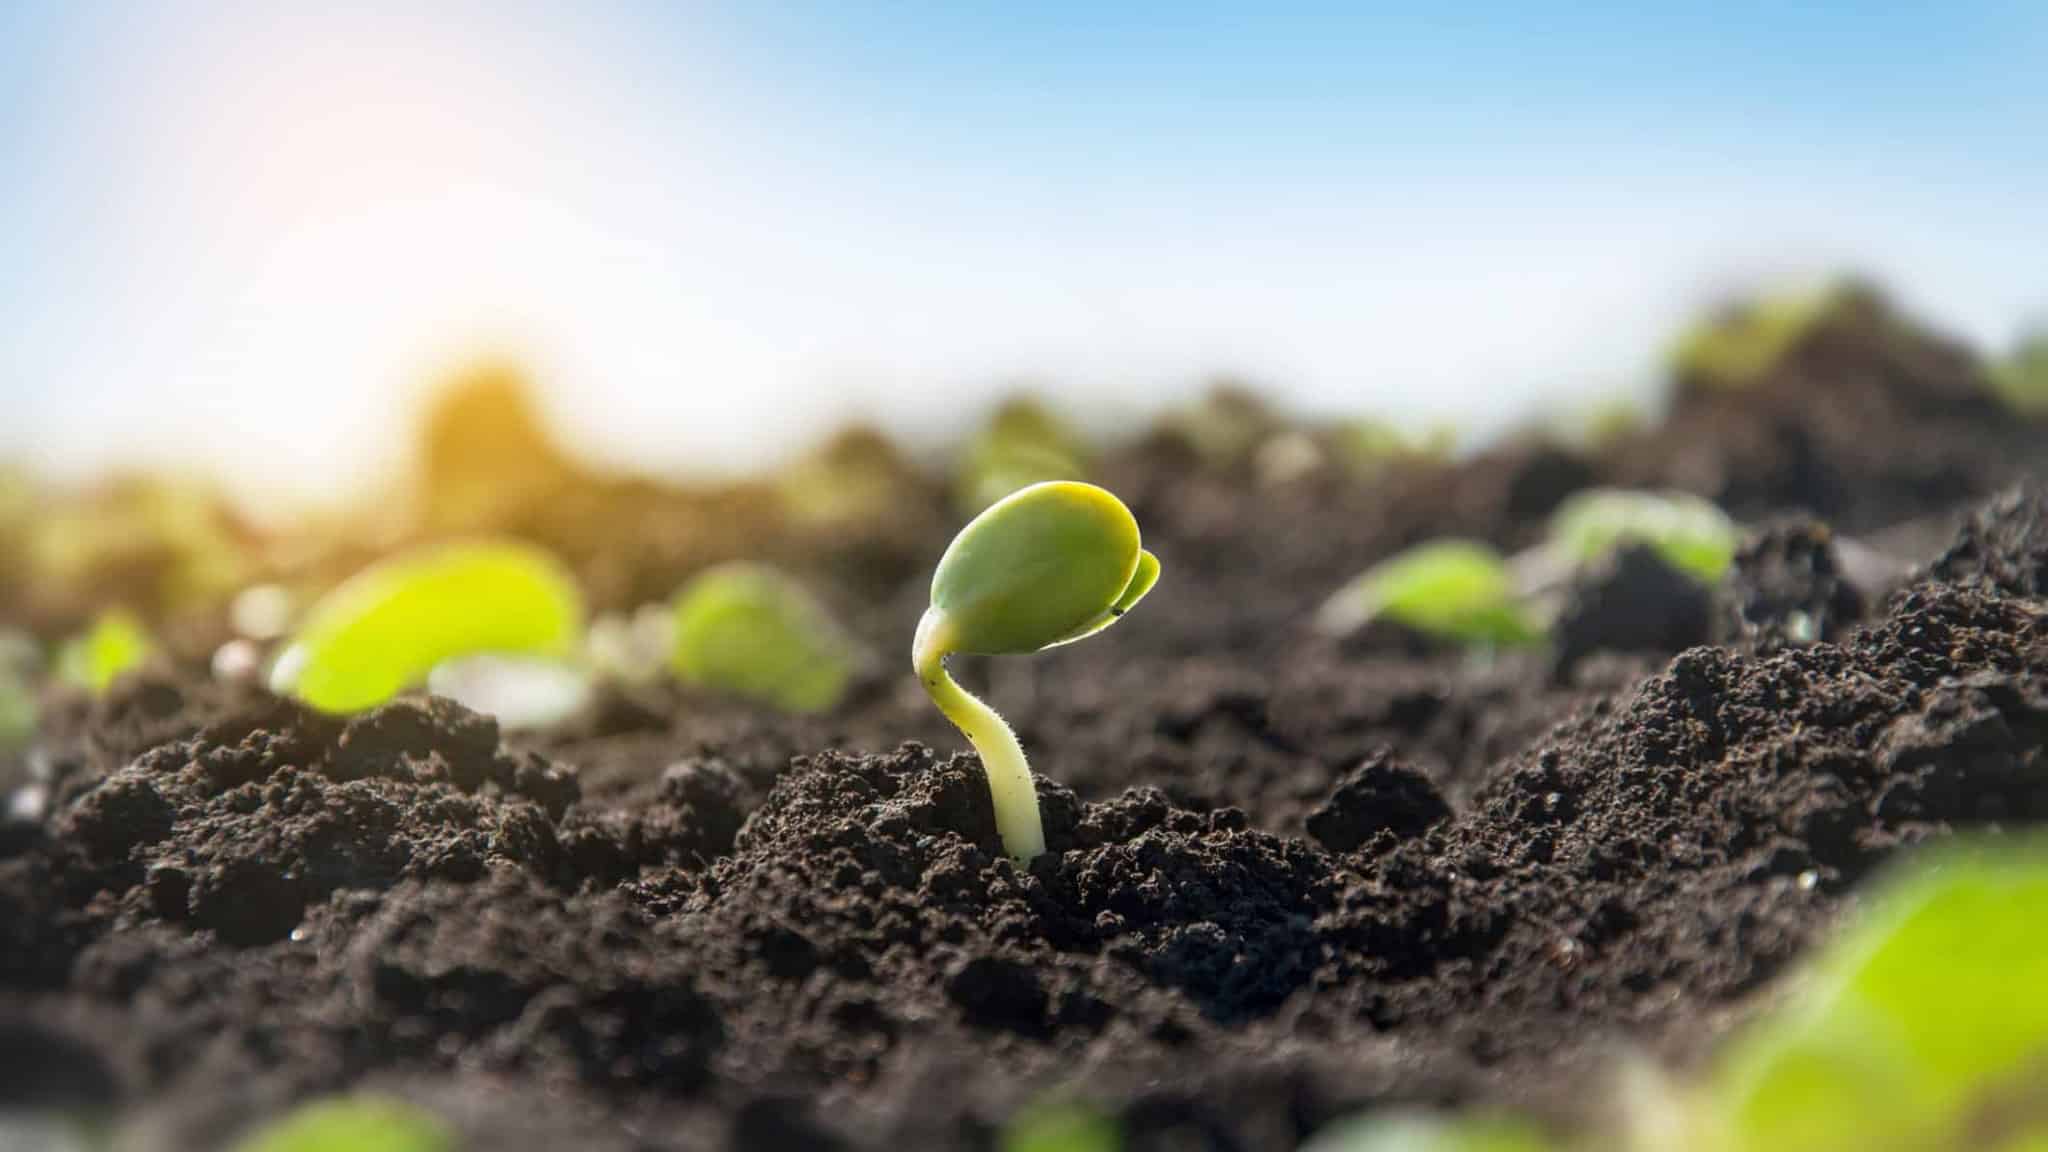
(243, 240)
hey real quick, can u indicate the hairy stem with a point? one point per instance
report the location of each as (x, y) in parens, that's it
(1002, 758)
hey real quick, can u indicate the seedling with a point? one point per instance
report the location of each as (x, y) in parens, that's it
(1044, 566)
(1742, 343)
(353, 1124)
(1457, 590)
(1926, 1007)
(385, 628)
(1024, 443)
(1414, 1130)
(749, 630)
(1368, 447)
(116, 643)
(1691, 534)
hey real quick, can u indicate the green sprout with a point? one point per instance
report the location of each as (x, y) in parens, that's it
(1369, 447)
(754, 632)
(1741, 344)
(1415, 1130)
(384, 629)
(1041, 567)
(1458, 590)
(1061, 1127)
(2021, 379)
(1024, 443)
(353, 1124)
(1927, 1007)
(1691, 534)
(116, 642)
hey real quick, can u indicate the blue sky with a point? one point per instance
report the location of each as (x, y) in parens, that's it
(251, 234)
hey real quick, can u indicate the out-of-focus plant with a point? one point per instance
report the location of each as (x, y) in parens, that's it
(855, 480)
(485, 454)
(1061, 1127)
(1410, 1130)
(1455, 590)
(754, 632)
(163, 545)
(1690, 533)
(1049, 565)
(1024, 443)
(1225, 428)
(385, 628)
(116, 642)
(2021, 379)
(1930, 1007)
(353, 1124)
(1742, 342)
(1368, 448)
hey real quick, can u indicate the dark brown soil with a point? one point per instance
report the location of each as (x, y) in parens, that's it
(1289, 876)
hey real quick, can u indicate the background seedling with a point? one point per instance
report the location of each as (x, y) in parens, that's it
(353, 1124)
(751, 631)
(2021, 379)
(1024, 443)
(115, 643)
(1691, 534)
(1044, 566)
(1744, 342)
(1457, 590)
(383, 630)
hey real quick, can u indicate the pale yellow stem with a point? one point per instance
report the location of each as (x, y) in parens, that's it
(1009, 776)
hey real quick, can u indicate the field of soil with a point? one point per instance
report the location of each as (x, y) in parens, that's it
(1289, 877)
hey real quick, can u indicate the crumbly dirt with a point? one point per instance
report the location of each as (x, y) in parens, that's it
(1288, 876)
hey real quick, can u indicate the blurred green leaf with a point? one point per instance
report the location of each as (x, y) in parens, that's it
(1061, 1128)
(1023, 443)
(1457, 590)
(1691, 534)
(1743, 343)
(750, 630)
(116, 643)
(384, 629)
(2021, 379)
(1929, 1004)
(354, 1124)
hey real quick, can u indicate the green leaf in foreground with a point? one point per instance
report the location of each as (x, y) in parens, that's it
(1691, 534)
(751, 631)
(353, 1124)
(1457, 590)
(1935, 998)
(384, 629)
(1404, 1130)
(116, 643)
(1044, 566)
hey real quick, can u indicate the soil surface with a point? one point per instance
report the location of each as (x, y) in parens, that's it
(1289, 877)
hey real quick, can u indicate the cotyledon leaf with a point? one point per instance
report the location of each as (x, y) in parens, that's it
(385, 628)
